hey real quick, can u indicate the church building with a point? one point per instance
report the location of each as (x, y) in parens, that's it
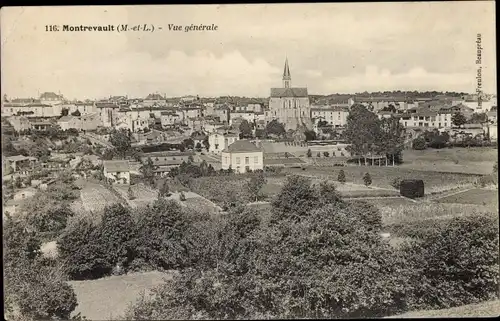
(290, 105)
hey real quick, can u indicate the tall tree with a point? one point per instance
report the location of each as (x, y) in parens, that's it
(391, 139)
(147, 171)
(245, 129)
(255, 184)
(458, 119)
(120, 139)
(362, 131)
(276, 128)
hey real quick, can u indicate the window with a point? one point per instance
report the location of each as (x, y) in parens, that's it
(237, 160)
(439, 124)
(247, 168)
(247, 160)
(256, 159)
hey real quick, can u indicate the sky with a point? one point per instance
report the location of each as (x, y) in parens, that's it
(331, 48)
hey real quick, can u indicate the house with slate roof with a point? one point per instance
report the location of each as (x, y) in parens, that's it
(117, 171)
(242, 156)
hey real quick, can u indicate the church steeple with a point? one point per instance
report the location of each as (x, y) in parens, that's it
(287, 79)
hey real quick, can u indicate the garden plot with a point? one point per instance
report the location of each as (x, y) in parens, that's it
(95, 197)
(143, 195)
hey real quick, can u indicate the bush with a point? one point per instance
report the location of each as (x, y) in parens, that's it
(341, 177)
(326, 154)
(419, 143)
(81, 249)
(487, 180)
(42, 298)
(164, 237)
(455, 263)
(412, 188)
(396, 182)
(117, 232)
(367, 179)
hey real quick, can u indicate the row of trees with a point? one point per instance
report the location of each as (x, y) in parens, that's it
(370, 136)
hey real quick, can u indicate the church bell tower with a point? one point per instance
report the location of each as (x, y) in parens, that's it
(287, 79)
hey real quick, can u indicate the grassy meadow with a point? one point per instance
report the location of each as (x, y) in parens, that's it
(108, 298)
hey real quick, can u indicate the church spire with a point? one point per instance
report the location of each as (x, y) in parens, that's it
(287, 79)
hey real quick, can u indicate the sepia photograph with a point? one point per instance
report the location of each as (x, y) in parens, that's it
(250, 161)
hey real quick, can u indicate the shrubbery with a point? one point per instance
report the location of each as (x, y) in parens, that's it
(455, 263)
(419, 143)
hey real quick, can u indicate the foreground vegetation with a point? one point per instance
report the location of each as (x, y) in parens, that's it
(311, 254)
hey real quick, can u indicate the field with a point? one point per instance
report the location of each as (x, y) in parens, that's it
(143, 194)
(383, 176)
(95, 197)
(108, 298)
(473, 196)
(484, 309)
(463, 160)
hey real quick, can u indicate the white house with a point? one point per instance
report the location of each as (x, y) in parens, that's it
(219, 141)
(242, 156)
(69, 122)
(117, 171)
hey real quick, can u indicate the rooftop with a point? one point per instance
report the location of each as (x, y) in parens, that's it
(116, 165)
(18, 158)
(242, 146)
(289, 92)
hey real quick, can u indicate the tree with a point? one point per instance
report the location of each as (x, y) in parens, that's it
(296, 198)
(275, 128)
(164, 190)
(76, 113)
(318, 154)
(458, 257)
(255, 184)
(367, 179)
(362, 131)
(478, 118)
(458, 119)
(117, 233)
(309, 153)
(327, 154)
(130, 193)
(164, 237)
(147, 171)
(391, 138)
(341, 177)
(182, 197)
(188, 143)
(120, 139)
(419, 143)
(80, 248)
(198, 147)
(310, 135)
(206, 144)
(245, 129)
